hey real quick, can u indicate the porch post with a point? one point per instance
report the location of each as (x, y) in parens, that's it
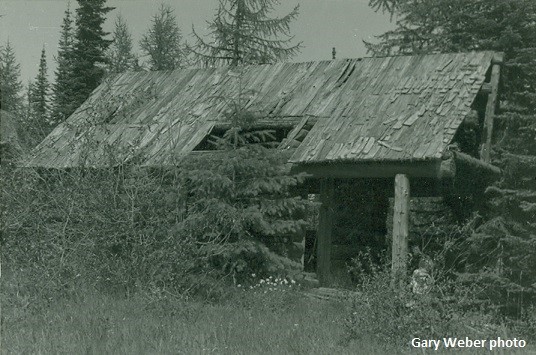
(400, 231)
(324, 233)
(490, 109)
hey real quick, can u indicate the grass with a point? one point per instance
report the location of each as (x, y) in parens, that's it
(101, 324)
(249, 323)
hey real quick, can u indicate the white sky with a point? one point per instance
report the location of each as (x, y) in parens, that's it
(321, 25)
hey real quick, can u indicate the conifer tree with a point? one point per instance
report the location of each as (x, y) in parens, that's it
(90, 46)
(63, 88)
(38, 96)
(243, 33)
(162, 44)
(120, 55)
(11, 86)
(242, 203)
(502, 251)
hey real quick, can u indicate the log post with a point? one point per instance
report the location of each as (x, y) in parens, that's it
(400, 231)
(324, 233)
(490, 110)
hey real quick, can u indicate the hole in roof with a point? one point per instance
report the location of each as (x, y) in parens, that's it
(285, 136)
(271, 137)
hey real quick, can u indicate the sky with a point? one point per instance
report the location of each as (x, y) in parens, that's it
(321, 25)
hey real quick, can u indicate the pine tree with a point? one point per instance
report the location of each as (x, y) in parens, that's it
(90, 46)
(63, 88)
(502, 251)
(38, 97)
(11, 86)
(120, 54)
(242, 33)
(162, 43)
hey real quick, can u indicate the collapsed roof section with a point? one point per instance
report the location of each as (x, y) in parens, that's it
(403, 109)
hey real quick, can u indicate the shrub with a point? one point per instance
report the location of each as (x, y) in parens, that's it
(65, 231)
(185, 230)
(393, 317)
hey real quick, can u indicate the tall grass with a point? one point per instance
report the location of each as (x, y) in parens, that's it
(101, 324)
(247, 323)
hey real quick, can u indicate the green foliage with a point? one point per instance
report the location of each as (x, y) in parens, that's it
(242, 33)
(38, 122)
(142, 324)
(500, 253)
(187, 230)
(236, 200)
(457, 25)
(62, 103)
(10, 84)
(89, 52)
(63, 232)
(120, 53)
(162, 43)
(392, 317)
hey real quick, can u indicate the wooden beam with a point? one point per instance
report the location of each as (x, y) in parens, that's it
(273, 122)
(324, 233)
(425, 169)
(400, 231)
(490, 112)
(479, 168)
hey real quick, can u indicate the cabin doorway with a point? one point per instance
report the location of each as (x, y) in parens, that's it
(357, 211)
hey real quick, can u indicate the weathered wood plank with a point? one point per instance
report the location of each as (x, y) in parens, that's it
(490, 113)
(400, 231)
(325, 228)
(427, 169)
(408, 92)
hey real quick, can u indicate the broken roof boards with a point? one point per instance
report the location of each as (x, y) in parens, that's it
(403, 109)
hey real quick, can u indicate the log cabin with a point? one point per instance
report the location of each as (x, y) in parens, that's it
(375, 135)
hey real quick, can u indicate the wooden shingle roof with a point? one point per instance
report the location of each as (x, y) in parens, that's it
(372, 109)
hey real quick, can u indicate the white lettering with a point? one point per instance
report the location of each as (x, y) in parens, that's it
(449, 342)
(425, 343)
(506, 343)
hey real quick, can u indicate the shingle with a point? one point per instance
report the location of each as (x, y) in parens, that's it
(367, 109)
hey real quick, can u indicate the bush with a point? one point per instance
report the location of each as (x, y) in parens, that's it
(393, 317)
(186, 231)
(111, 230)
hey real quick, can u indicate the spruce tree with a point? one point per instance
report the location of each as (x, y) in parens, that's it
(38, 95)
(90, 46)
(120, 54)
(63, 88)
(243, 33)
(38, 123)
(11, 86)
(502, 250)
(242, 204)
(162, 44)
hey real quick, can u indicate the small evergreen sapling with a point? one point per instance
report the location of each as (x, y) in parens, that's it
(240, 203)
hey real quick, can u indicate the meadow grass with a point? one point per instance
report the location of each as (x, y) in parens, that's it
(247, 323)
